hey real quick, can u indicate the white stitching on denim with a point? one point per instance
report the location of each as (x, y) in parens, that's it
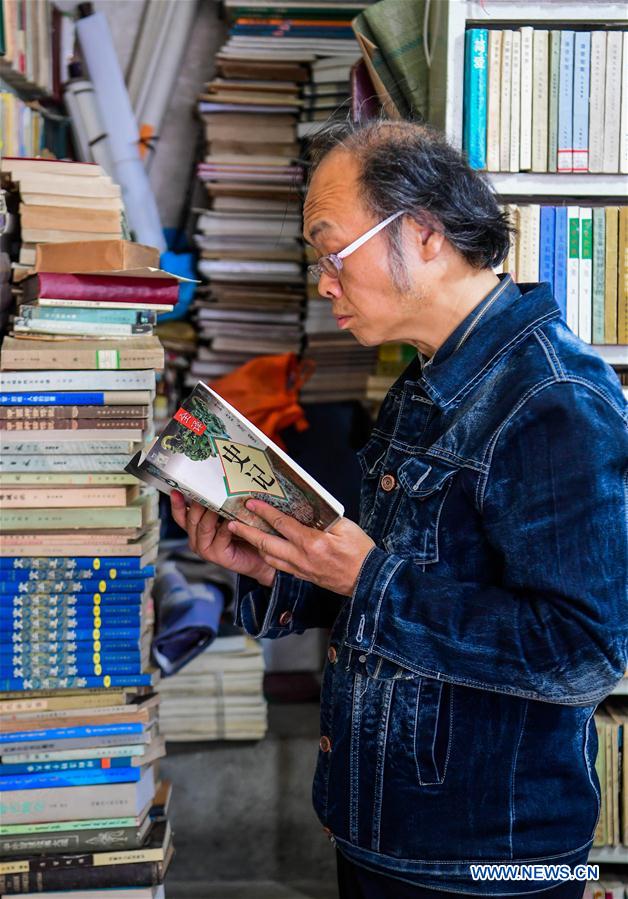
(381, 599)
(550, 353)
(354, 788)
(512, 778)
(382, 742)
(417, 706)
(438, 453)
(507, 281)
(586, 762)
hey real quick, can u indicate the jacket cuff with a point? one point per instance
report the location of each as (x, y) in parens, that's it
(375, 575)
(269, 612)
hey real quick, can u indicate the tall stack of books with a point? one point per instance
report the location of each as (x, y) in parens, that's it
(546, 101)
(582, 252)
(79, 738)
(218, 696)
(60, 201)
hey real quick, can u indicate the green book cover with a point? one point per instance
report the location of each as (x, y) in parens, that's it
(554, 78)
(599, 272)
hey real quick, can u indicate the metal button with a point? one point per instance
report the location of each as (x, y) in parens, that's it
(332, 655)
(362, 658)
(325, 744)
(388, 482)
(285, 618)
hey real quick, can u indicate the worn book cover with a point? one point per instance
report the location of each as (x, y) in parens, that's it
(212, 454)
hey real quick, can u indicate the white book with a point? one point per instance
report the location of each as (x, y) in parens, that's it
(597, 91)
(612, 101)
(623, 151)
(585, 293)
(528, 244)
(506, 86)
(493, 108)
(515, 101)
(49, 381)
(510, 262)
(540, 99)
(525, 152)
(554, 89)
(14, 462)
(573, 267)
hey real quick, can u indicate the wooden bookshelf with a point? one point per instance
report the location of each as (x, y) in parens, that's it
(550, 184)
(617, 855)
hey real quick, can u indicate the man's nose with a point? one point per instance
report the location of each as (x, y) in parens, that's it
(328, 287)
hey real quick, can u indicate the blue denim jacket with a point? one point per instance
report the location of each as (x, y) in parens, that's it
(490, 618)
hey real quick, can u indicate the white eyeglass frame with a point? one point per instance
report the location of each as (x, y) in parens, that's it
(335, 259)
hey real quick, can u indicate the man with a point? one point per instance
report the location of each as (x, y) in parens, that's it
(479, 612)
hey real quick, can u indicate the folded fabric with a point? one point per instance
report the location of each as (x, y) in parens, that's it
(188, 616)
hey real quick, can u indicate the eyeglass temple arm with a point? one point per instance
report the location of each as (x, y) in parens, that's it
(361, 240)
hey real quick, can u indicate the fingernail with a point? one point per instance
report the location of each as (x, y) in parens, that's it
(251, 504)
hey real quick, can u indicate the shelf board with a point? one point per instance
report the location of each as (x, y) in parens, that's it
(614, 354)
(551, 184)
(622, 688)
(617, 855)
(487, 12)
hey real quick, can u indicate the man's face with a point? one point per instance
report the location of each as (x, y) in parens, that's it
(365, 299)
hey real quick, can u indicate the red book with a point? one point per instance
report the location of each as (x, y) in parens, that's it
(101, 288)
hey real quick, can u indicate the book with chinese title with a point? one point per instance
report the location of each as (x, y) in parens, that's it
(212, 454)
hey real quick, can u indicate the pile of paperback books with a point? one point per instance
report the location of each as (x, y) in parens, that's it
(79, 789)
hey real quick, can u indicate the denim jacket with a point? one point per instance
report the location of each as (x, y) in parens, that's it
(491, 616)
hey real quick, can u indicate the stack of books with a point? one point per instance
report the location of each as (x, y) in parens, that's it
(582, 252)
(611, 722)
(79, 739)
(60, 201)
(546, 101)
(217, 696)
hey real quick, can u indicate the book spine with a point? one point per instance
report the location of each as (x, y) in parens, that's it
(475, 115)
(93, 383)
(540, 100)
(505, 101)
(612, 105)
(55, 356)
(101, 329)
(623, 149)
(565, 102)
(611, 269)
(515, 102)
(77, 447)
(622, 281)
(524, 244)
(68, 779)
(58, 413)
(554, 82)
(112, 564)
(72, 424)
(103, 288)
(585, 274)
(560, 260)
(67, 682)
(24, 582)
(525, 152)
(548, 227)
(599, 274)
(573, 266)
(75, 398)
(113, 750)
(596, 101)
(80, 878)
(52, 519)
(493, 106)
(69, 841)
(64, 766)
(86, 315)
(107, 304)
(72, 463)
(582, 65)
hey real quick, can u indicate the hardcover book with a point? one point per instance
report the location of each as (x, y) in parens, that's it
(212, 454)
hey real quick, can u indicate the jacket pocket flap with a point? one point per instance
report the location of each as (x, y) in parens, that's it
(372, 455)
(421, 478)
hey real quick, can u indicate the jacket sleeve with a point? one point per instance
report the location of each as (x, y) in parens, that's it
(554, 509)
(291, 606)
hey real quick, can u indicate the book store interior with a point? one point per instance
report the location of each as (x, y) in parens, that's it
(365, 263)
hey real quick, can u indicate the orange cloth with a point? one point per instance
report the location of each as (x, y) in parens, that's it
(266, 390)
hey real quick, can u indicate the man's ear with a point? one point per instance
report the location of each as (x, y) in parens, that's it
(431, 244)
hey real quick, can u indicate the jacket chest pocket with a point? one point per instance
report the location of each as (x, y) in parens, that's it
(412, 529)
(371, 459)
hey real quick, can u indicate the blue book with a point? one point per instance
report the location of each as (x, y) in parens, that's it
(581, 77)
(73, 682)
(70, 670)
(475, 89)
(71, 598)
(61, 398)
(103, 636)
(117, 564)
(89, 315)
(83, 778)
(124, 761)
(560, 260)
(72, 733)
(546, 245)
(565, 103)
(87, 662)
(82, 573)
(29, 586)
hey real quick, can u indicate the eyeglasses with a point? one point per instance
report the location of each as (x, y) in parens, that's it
(331, 264)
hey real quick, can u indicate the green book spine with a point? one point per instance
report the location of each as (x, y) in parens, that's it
(599, 272)
(53, 519)
(573, 267)
(552, 128)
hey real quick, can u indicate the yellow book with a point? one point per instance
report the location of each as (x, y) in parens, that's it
(622, 281)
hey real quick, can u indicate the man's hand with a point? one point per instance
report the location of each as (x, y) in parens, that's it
(330, 559)
(210, 538)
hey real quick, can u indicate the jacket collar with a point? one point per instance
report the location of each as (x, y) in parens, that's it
(496, 325)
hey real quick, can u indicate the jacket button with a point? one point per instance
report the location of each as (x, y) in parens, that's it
(388, 482)
(285, 618)
(332, 655)
(325, 744)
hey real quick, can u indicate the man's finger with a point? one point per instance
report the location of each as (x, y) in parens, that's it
(265, 543)
(177, 505)
(285, 525)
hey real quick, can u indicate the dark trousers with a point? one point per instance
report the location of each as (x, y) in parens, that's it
(355, 882)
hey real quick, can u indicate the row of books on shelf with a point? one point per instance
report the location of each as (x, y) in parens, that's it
(21, 127)
(582, 252)
(546, 101)
(611, 723)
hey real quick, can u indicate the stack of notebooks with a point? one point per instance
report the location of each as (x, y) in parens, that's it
(611, 722)
(546, 101)
(79, 539)
(582, 252)
(58, 202)
(217, 696)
